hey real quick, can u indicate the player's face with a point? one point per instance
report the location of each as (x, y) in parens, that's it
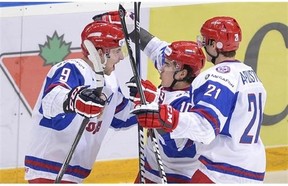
(167, 73)
(211, 49)
(115, 55)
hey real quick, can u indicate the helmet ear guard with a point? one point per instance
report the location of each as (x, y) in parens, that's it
(219, 45)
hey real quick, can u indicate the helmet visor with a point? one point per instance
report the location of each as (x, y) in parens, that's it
(201, 41)
(123, 47)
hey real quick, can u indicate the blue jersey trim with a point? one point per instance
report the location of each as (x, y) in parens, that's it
(60, 122)
(171, 150)
(54, 167)
(117, 123)
(231, 169)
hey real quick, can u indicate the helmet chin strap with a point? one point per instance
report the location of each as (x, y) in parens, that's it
(213, 57)
(174, 80)
(173, 83)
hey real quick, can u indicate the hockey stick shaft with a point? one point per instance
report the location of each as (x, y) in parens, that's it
(122, 13)
(130, 53)
(71, 152)
(138, 62)
(137, 36)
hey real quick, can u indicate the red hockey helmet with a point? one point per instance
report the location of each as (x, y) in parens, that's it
(186, 52)
(103, 35)
(225, 31)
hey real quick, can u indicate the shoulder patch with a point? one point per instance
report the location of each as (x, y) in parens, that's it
(223, 69)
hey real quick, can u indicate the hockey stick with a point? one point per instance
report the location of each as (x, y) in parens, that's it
(69, 156)
(122, 13)
(137, 56)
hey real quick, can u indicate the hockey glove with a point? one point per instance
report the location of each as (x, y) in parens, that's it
(157, 116)
(114, 18)
(150, 91)
(83, 101)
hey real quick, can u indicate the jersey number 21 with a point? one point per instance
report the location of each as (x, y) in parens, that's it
(256, 108)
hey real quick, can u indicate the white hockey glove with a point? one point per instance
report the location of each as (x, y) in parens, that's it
(114, 18)
(150, 91)
(154, 116)
(83, 101)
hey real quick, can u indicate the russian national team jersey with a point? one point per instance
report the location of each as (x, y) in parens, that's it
(53, 134)
(178, 155)
(231, 98)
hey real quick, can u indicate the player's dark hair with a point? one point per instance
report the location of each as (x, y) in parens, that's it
(229, 53)
(189, 77)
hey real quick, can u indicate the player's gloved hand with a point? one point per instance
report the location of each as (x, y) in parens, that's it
(114, 18)
(83, 101)
(157, 116)
(148, 88)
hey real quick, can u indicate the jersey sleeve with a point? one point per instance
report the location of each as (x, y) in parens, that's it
(60, 79)
(213, 101)
(122, 117)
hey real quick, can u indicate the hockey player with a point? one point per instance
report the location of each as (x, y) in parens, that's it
(228, 102)
(178, 64)
(71, 90)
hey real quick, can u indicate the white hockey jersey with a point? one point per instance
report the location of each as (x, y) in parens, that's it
(178, 155)
(228, 105)
(53, 132)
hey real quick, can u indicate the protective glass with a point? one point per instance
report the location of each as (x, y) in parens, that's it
(123, 47)
(201, 41)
